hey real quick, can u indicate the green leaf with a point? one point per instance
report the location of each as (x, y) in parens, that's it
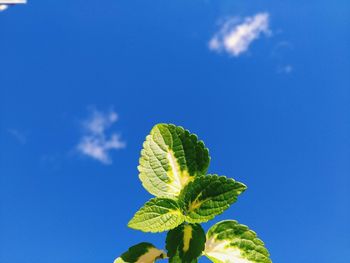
(171, 157)
(230, 242)
(141, 253)
(185, 243)
(208, 196)
(157, 215)
(177, 259)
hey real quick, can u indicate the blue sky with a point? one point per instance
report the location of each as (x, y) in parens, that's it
(274, 114)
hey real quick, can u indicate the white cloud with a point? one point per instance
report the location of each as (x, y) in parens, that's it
(235, 38)
(95, 142)
(3, 7)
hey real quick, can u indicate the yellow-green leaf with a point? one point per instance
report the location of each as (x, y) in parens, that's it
(171, 158)
(141, 253)
(230, 242)
(185, 243)
(208, 196)
(157, 215)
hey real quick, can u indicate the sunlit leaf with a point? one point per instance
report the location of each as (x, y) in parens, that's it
(171, 158)
(230, 242)
(157, 215)
(208, 196)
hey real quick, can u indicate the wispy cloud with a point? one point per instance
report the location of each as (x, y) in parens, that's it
(96, 142)
(235, 36)
(281, 49)
(286, 69)
(19, 136)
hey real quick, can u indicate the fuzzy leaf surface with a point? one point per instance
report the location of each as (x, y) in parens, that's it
(208, 196)
(185, 243)
(157, 215)
(230, 242)
(171, 158)
(141, 253)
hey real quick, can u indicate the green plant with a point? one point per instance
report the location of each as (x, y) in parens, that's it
(173, 167)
